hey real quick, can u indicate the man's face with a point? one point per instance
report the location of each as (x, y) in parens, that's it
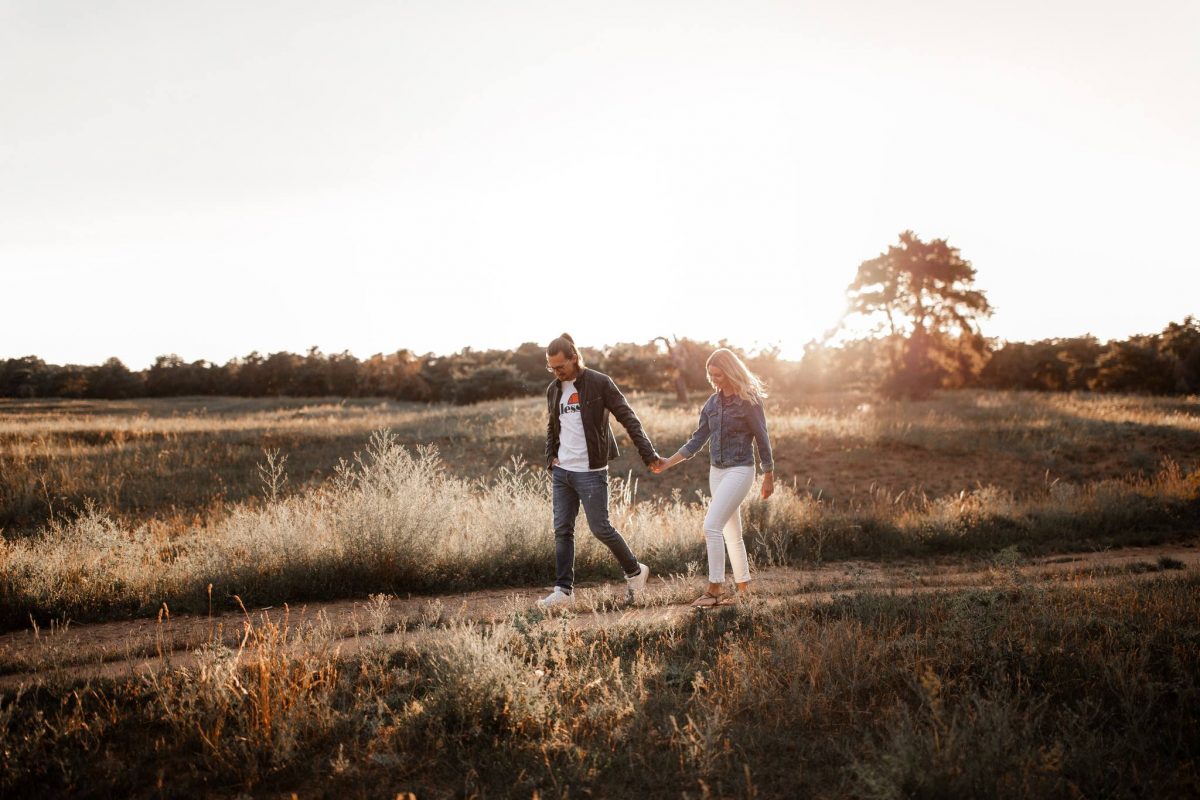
(565, 369)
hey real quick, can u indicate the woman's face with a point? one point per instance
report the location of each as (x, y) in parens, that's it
(716, 376)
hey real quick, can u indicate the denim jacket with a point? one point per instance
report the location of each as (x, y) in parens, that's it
(731, 425)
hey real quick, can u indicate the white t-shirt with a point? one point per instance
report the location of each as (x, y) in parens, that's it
(572, 446)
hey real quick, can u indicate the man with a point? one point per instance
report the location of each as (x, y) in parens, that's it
(579, 445)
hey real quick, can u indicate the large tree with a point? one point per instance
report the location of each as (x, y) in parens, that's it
(922, 299)
(678, 356)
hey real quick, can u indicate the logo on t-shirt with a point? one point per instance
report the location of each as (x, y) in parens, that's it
(571, 406)
(572, 445)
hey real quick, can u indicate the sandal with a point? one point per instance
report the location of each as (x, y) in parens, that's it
(708, 600)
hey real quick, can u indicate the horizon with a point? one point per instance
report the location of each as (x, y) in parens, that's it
(783, 355)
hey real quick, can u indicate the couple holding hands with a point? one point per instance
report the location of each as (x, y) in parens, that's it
(580, 443)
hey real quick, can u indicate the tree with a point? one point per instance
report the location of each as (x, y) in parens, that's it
(530, 361)
(279, 373)
(311, 376)
(24, 377)
(171, 376)
(679, 364)
(1049, 364)
(113, 380)
(635, 366)
(1181, 342)
(248, 374)
(922, 297)
(343, 374)
(489, 383)
(1135, 365)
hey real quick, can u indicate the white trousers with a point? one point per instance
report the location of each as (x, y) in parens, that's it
(723, 523)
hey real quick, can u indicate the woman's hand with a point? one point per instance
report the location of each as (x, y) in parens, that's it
(665, 464)
(768, 486)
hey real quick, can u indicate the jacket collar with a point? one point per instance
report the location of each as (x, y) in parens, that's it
(577, 378)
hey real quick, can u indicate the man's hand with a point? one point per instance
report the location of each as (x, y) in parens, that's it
(554, 463)
(664, 464)
(768, 486)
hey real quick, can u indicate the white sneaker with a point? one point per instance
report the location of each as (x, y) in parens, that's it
(556, 598)
(638, 582)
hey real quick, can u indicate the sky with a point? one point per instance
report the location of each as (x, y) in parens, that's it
(209, 179)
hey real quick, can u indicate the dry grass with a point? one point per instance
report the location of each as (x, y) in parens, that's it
(397, 521)
(1016, 692)
(176, 463)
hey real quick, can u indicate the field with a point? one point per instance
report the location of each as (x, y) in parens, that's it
(982, 594)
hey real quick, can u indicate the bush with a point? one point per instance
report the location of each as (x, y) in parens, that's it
(490, 383)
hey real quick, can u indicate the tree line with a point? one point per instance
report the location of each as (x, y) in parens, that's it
(917, 299)
(1162, 363)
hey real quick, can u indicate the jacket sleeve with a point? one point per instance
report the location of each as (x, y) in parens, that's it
(699, 436)
(758, 425)
(616, 403)
(551, 445)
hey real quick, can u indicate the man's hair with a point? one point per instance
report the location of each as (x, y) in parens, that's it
(565, 345)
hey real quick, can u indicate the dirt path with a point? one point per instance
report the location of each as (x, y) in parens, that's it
(112, 649)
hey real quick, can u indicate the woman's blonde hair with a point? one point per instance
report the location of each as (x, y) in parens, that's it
(746, 384)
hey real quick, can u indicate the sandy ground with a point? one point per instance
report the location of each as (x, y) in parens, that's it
(77, 652)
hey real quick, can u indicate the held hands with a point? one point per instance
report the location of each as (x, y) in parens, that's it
(661, 465)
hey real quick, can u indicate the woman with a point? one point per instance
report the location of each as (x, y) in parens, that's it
(732, 417)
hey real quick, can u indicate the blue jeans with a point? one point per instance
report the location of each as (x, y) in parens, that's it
(590, 488)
